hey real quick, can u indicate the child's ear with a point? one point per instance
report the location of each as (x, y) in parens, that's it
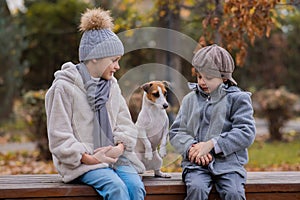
(146, 86)
(166, 84)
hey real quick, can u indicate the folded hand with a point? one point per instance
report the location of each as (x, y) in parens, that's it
(201, 151)
(100, 155)
(113, 152)
(204, 160)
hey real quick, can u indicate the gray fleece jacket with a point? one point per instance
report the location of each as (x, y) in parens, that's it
(70, 123)
(227, 116)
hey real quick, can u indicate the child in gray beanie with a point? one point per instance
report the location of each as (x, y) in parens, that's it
(213, 128)
(91, 134)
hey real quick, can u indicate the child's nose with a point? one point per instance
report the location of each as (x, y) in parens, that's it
(117, 66)
(201, 81)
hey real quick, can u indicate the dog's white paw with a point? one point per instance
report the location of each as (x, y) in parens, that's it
(158, 173)
(163, 151)
(149, 154)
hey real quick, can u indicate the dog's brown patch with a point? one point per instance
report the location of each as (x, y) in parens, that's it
(152, 91)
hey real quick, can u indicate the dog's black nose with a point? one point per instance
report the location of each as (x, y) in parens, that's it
(165, 106)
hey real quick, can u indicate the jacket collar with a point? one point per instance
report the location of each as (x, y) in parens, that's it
(216, 95)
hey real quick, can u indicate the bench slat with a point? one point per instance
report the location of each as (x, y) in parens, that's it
(260, 185)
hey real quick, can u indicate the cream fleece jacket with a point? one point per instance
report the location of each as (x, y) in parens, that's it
(70, 123)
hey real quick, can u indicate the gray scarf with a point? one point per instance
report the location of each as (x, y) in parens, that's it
(97, 95)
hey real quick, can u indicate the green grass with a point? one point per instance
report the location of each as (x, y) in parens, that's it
(275, 155)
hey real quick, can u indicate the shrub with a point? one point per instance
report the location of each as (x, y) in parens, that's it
(277, 105)
(35, 117)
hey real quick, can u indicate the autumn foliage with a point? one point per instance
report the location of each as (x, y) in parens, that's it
(236, 23)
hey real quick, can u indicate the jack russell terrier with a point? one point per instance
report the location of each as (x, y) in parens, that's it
(153, 125)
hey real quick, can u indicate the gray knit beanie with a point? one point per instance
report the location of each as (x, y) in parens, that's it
(98, 40)
(214, 61)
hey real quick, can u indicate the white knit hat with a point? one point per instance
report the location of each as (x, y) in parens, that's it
(214, 61)
(98, 40)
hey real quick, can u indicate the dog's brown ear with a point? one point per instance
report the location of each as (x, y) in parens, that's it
(146, 86)
(166, 84)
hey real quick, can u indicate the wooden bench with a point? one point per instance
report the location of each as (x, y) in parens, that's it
(260, 185)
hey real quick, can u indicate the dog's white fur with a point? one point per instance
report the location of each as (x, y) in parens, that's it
(153, 125)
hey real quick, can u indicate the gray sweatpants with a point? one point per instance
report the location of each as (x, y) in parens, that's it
(199, 183)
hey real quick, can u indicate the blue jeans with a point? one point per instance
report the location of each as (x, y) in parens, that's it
(122, 182)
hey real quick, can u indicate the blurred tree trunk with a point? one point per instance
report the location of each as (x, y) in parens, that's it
(275, 123)
(11, 46)
(218, 14)
(169, 17)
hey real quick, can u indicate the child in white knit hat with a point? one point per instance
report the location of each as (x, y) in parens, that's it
(91, 134)
(213, 128)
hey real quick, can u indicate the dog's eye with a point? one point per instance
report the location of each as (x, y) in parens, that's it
(165, 94)
(156, 94)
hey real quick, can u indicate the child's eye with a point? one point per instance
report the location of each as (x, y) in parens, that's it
(116, 59)
(208, 77)
(156, 94)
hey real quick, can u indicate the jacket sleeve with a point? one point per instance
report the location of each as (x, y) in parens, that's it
(242, 133)
(125, 131)
(181, 137)
(62, 142)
